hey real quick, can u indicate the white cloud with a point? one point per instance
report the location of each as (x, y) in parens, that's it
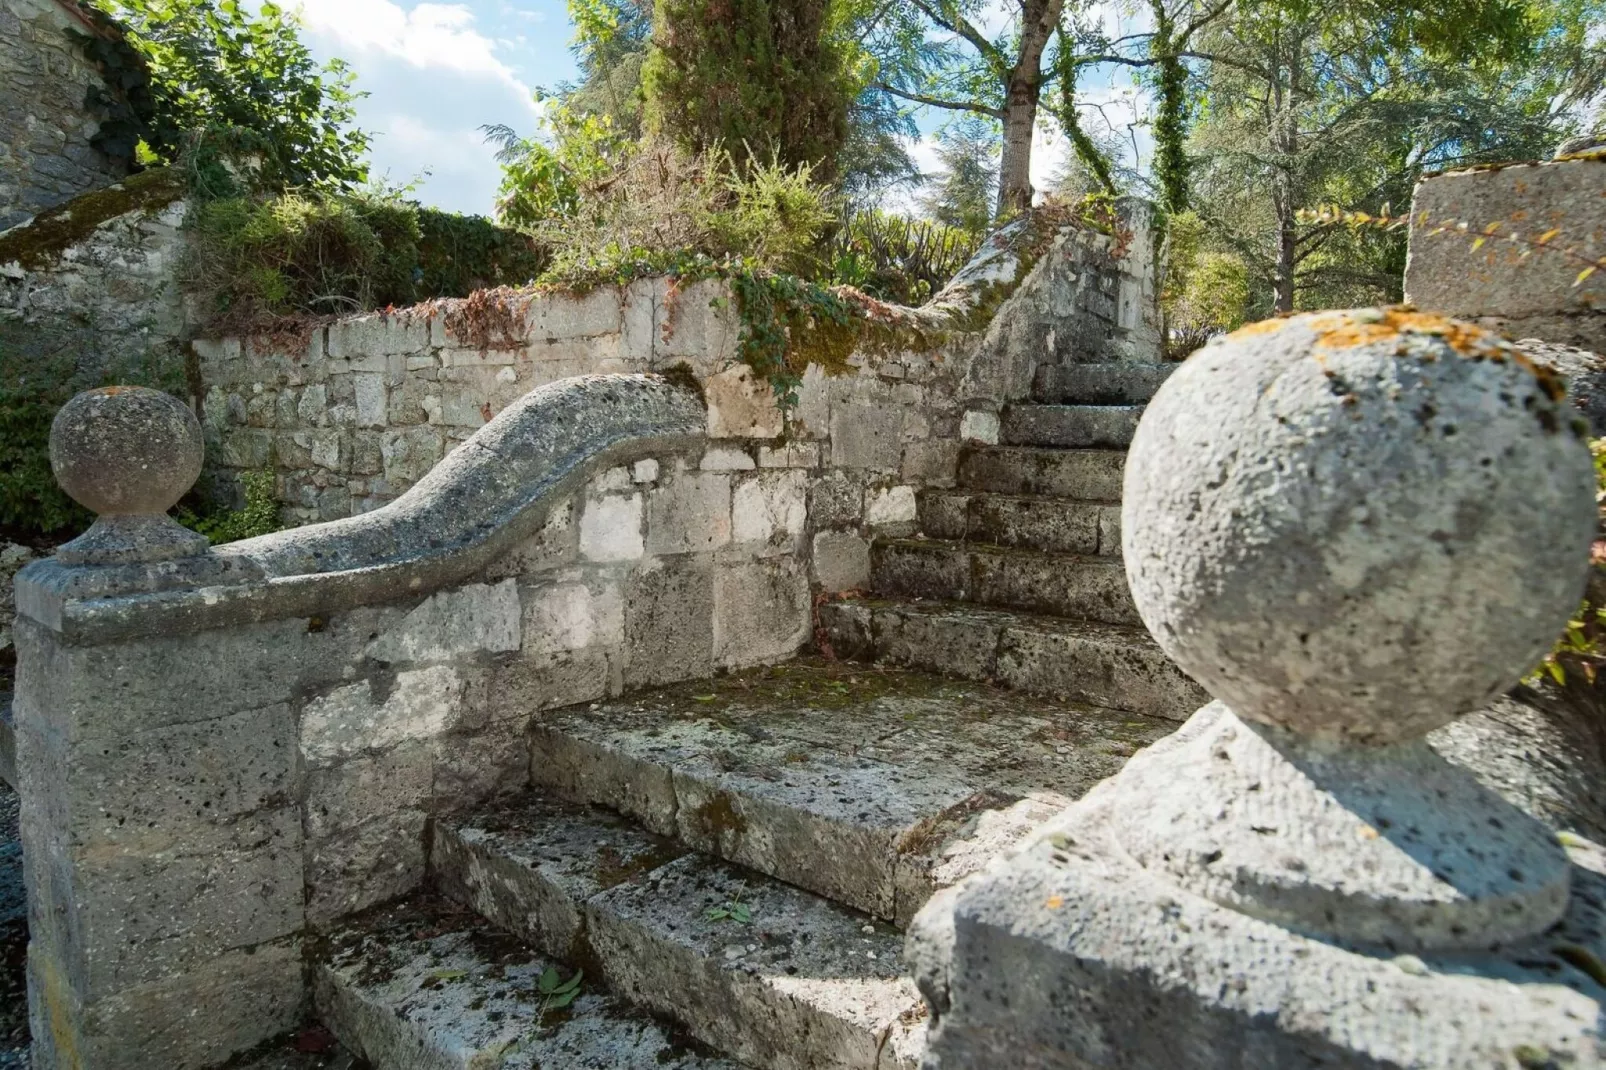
(433, 79)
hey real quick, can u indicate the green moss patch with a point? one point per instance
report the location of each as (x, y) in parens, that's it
(41, 242)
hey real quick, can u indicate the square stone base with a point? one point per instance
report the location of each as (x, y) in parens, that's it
(1070, 955)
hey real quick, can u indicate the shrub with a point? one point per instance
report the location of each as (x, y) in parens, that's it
(221, 524)
(658, 206)
(322, 251)
(895, 258)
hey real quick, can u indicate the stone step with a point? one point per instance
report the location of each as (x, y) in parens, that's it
(767, 973)
(1101, 664)
(423, 984)
(1070, 426)
(1099, 384)
(1057, 525)
(871, 787)
(1094, 475)
(1062, 585)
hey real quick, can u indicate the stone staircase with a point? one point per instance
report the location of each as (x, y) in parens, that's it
(1016, 576)
(715, 874)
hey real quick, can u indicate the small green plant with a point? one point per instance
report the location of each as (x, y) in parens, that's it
(260, 515)
(556, 993)
(732, 909)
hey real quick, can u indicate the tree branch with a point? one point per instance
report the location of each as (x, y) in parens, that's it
(963, 28)
(937, 102)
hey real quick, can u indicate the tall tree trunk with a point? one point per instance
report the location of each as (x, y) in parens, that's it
(1022, 88)
(1015, 170)
(1285, 197)
(1171, 114)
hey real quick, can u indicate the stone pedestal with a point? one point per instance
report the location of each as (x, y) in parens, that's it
(1352, 528)
(161, 838)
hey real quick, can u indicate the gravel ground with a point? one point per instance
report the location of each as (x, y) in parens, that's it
(13, 941)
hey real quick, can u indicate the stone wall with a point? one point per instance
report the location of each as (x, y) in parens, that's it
(1515, 287)
(90, 290)
(45, 123)
(352, 415)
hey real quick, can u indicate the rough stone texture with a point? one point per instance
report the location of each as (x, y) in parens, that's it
(423, 986)
(1099, 384)
(89, 291)
(13, 556)
(841, 561)
(8, 742)
(802, 983)
(1585, 373)
(860, 784)
(1069, 954)
(46, 121)
(1099, 664)
(1525, 296)
(129, 454)
(1071, 426)
(1391, 471)
(13, 940)
(1089, 474)
(1051, 525)
(1085, 588)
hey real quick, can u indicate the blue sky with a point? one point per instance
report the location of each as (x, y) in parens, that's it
(436, 72)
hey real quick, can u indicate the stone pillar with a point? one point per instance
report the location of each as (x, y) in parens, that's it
(162, 846)
(1352, 528)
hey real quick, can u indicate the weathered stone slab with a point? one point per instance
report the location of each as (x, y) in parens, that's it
(1499, 281)
(1081, 952)
(1051, 524)
(1099, 664)
(1071, 426)
(1084, 588)
(761, 612)
(803, 982)
(422, 986)
(1089, 474)
(1099, 384)
(8, 742)
(830, 777)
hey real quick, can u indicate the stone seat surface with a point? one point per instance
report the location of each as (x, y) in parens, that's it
(1079, 586)
(1121, 668)
(758, 969)
(423, 984)
(873, 787)
(1052, 524)
(1071, 426)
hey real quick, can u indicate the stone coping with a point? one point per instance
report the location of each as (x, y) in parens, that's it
(486, 496)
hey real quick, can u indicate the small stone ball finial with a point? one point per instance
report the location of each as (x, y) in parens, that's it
(1358, 525)
(128, 453)
(126, 450)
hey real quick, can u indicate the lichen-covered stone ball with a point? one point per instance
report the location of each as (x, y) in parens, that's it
(126, 450)
(1358, 525)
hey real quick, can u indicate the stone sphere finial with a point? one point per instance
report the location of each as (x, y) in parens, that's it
(128, 453)
(1358, 525)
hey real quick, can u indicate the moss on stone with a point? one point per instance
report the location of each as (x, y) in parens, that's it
(41, 242)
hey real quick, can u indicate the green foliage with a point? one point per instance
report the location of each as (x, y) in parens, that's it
(1206, 288)
(214, 64)
(967, 191)
(1582, 647)
(29, 496)
(556, 993)
(259, 515)
(767, 79)
(322, 251)
(895, 258)
(40, 372)
(544, 178)
(776, 309)
(629, 207)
